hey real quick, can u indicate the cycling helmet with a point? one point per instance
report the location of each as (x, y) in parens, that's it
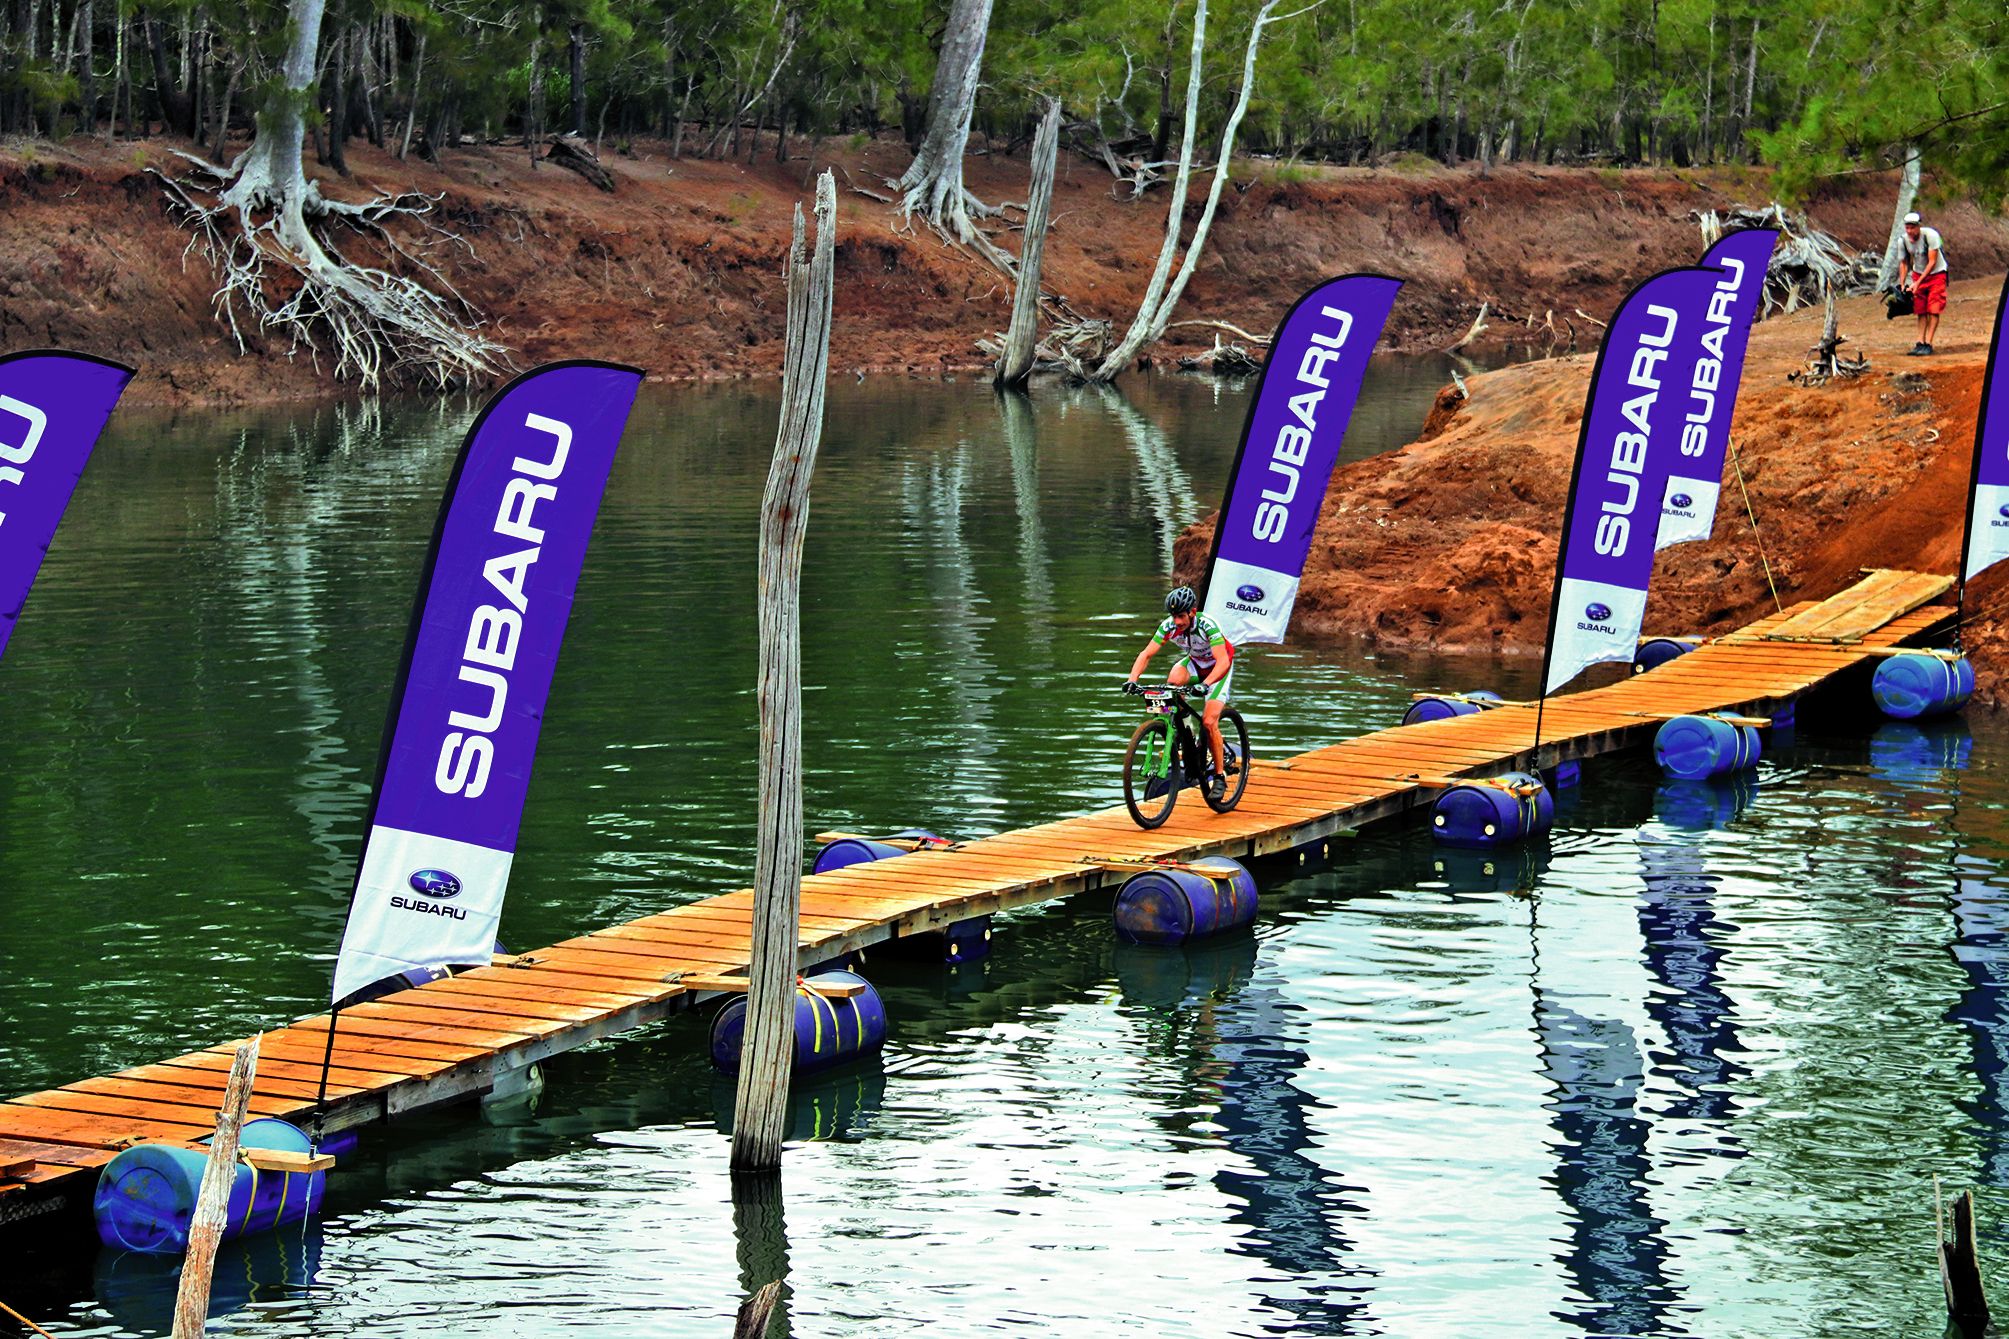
(1182, 601)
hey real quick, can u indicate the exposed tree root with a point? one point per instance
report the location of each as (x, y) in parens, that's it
(281, 274)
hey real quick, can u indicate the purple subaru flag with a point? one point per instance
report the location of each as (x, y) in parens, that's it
(486, 631)
(1625, 451)
(1988, 500)
(53, 405)
(1689, 511)
(1289, 446)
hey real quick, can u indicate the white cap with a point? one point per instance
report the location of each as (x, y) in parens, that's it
(1911, 217)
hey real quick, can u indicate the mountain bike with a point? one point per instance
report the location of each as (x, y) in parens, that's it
(1169, 751)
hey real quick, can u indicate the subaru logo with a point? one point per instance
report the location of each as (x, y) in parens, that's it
(1682, 500)
(1254, 593)
(2005, 509)
(434, 883)
(1596, 613)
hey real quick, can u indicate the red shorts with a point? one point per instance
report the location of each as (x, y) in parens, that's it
(1928, 298)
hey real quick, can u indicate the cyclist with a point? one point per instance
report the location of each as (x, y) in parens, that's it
(1208, 655)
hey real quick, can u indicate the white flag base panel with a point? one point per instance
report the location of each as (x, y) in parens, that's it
(1680, 525)
(1989, 526)
(1252, 604)
(395, 925)
(1595, 623)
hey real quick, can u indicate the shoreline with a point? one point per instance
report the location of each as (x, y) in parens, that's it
(679, 270)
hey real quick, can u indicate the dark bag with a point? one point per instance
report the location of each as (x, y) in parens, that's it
(1897, 304)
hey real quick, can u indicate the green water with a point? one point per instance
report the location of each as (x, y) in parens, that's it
(1689, 1069)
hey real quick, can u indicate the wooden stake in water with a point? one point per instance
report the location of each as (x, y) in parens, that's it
(212, 1202)
(761, 1107)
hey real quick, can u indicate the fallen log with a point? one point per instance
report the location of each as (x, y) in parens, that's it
(569, 151)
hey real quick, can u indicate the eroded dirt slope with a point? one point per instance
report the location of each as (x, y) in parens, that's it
(1450, 543)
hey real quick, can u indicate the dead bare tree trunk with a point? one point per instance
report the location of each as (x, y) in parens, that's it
(932, 185)
(578, 55)
(1159, 300)
(1016, 365)
(761, 1105)
(1907, 195)
(212, 1201)
(279, 274)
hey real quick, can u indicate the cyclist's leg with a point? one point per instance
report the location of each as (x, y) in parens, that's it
(1217, 702)
(1181, 674)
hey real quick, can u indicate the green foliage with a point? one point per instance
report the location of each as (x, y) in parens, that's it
(1814, 87)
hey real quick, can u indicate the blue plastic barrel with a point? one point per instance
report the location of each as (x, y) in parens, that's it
(863, 850)
(1696, 748)
(1170, 906)
(146, 1195)
(1657, 651)
(829, 1030)
(1479, 813)
(1447, 706)
(1911, 686)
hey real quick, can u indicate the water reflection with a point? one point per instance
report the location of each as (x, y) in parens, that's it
(1617, 1258)
(1682, 935)
(1037, 595)
(834, 1105)
(138, 1291)
(1248, 1043)
(1168, 490)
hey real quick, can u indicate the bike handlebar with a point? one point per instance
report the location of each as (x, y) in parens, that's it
(1176, 689)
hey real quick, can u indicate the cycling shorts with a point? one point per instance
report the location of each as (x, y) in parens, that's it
(1215, 693)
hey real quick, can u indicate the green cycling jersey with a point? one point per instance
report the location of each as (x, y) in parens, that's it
(1200, 642)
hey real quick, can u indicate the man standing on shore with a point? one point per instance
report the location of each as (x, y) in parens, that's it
(1922, 273)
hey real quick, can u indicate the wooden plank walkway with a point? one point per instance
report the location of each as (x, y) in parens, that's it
(453, 1039)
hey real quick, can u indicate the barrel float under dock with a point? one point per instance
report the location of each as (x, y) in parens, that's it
(1915, 685)
(1170, 906)
(146, 1195)
(1444, 706)
(1657, 651)
(863, 850)
(1696, 748)
(829, 1029)
(1493, 811)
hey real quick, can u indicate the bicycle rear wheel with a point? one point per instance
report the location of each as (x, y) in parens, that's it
(1151, 773)
(1235, 735)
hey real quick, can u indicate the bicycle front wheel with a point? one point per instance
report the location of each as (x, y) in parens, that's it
(1151, 773)
(1234, 734)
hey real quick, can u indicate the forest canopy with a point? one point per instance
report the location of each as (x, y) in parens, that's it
(1813, 87)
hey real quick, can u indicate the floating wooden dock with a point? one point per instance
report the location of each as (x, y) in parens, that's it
(456, 1038)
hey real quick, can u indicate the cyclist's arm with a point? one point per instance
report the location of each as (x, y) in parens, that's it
(1224, 660)
(1144, 658)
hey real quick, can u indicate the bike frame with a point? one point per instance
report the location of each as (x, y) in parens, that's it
(1173, 701)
